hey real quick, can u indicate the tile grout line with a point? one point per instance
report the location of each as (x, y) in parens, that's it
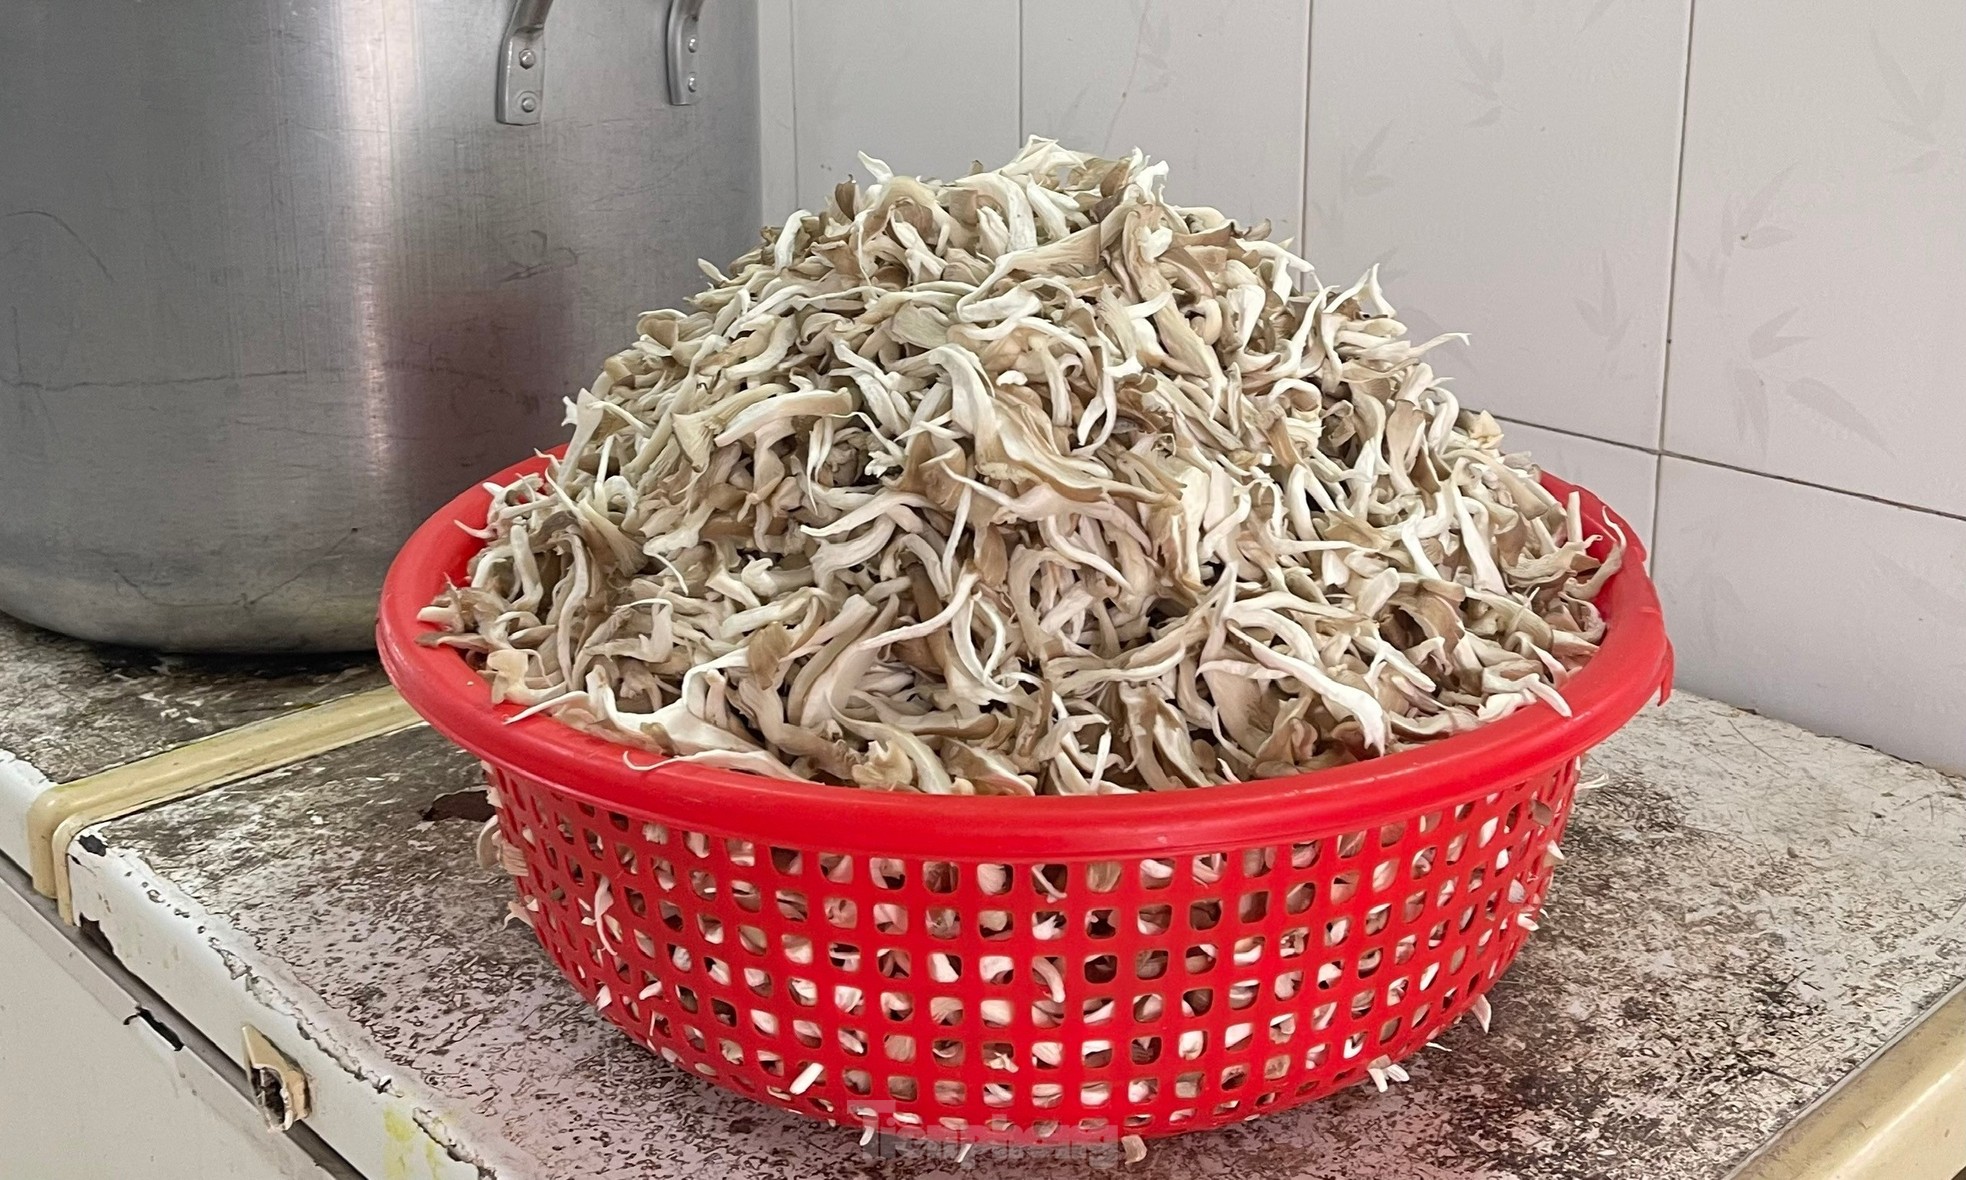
(1023, 127)
(792, 79)
(1735, 467)
(1672, 277)
(1303, 242)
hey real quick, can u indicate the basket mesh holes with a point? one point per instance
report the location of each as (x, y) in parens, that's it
(1197, 1001)
(1151, 964)
(1205, 914)
(951, 1093)
(1156, 874)
(1322, 1014)
(1288, 984)
(1350, 843)
(703, 885)
(891, 963)
(1155, 919)
(665, 873)
(1383, 874)
(947, 1051)
(1423, 861)
(1344, 886)
(940, 876)
(858, 1081)
(842, 912)
(730, 1051)
(1187, 1085)
(1299, 898)
(1377, 917)
(1099, 923)
(1102, 876)
(552, 857)
(1049, 881)
(1257, 862)
(898, 1006)
(724, 1011)
(694, 1036)
(1456, 845)
(1368, 963)
(890, 918)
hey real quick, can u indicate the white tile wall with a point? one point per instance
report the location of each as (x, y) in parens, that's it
(1517, 170)
(1626, 478)
(1511, 168)
(777, 114)
(926, 85)
(1214, 87)
(1845, 615)
(1822, 247)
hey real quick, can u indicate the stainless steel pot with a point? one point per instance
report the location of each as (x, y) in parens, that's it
(275, 281)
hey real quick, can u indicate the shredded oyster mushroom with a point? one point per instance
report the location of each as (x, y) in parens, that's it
(1026, 483)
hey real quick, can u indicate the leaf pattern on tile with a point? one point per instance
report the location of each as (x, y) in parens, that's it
(1918, 111)
(1818, 396)
(1484, 70)
(1359, 174)
(1767, 340)
(1742, 224)
(1595, 14)
(1715, 600)
(1604, 318)
(1751, 407)
(1932, 590)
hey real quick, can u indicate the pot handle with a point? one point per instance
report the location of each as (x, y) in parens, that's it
(522, 58)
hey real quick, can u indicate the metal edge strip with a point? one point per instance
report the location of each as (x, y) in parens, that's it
(60, 813)
(1899, 1116)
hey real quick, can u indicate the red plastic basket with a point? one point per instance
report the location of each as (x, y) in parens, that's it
(1029, 969)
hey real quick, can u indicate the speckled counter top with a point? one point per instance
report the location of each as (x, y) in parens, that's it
(1748, 913)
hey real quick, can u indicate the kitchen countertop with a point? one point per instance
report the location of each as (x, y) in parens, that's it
(1748, 913)
(70, 708)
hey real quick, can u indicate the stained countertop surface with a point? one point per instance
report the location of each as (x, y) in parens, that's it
(1747, 913)
(71, 708)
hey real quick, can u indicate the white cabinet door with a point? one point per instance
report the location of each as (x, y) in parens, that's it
(90, 1088)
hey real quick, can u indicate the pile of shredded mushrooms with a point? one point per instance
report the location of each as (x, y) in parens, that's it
(1027, 483)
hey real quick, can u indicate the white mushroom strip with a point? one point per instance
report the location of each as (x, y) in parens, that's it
(1027, 483)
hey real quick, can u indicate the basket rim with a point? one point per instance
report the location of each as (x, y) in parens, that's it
(1633, 663)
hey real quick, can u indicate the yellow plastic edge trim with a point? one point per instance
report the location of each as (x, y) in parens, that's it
(54, 819)
(1902, 1116)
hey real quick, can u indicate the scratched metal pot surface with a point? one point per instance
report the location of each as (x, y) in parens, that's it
(275, 282)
